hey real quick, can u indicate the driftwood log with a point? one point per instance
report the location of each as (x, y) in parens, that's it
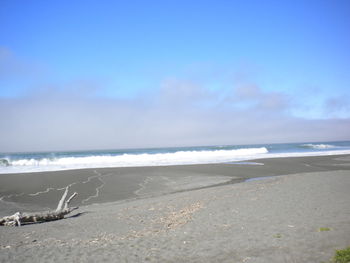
(62, 209)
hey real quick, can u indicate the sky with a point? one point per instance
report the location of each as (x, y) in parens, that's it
(77, 75)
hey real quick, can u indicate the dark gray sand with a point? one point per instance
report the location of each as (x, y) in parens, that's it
(196, 213)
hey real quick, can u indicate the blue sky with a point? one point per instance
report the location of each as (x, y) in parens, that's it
(280, 59)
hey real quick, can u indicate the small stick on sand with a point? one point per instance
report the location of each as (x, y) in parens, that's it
(19, 218)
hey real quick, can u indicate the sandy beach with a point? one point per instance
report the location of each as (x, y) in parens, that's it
(267, 210)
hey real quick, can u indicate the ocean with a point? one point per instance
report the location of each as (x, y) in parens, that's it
(55, 161)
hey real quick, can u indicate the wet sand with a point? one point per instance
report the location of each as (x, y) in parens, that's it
(195, 213)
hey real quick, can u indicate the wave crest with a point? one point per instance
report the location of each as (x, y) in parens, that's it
(318, 146)
(145, 159)
(4, 162)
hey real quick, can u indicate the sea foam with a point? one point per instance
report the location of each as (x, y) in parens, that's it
(55, 161)
(133, 160)
(318, 146)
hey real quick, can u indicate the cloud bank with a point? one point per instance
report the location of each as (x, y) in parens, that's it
(180, 113)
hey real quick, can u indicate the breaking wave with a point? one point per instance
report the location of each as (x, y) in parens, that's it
(4, 162)
(133, 160)
(318, 146)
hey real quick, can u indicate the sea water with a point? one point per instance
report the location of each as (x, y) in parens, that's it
(54, 161)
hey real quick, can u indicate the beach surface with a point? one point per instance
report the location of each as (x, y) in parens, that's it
(267, 210)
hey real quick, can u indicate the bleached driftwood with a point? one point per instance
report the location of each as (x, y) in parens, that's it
(62, 209)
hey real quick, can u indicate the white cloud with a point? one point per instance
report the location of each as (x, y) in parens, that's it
(337, 106)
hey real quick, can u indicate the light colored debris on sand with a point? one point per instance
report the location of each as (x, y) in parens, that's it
(5, 247)
(170, 220)
(178, 218)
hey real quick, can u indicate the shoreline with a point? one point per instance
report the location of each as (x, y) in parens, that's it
(42, 190)
(300, 217)
(269, 155)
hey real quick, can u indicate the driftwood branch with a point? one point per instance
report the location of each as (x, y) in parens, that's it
(62, 209)
(60, 203)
